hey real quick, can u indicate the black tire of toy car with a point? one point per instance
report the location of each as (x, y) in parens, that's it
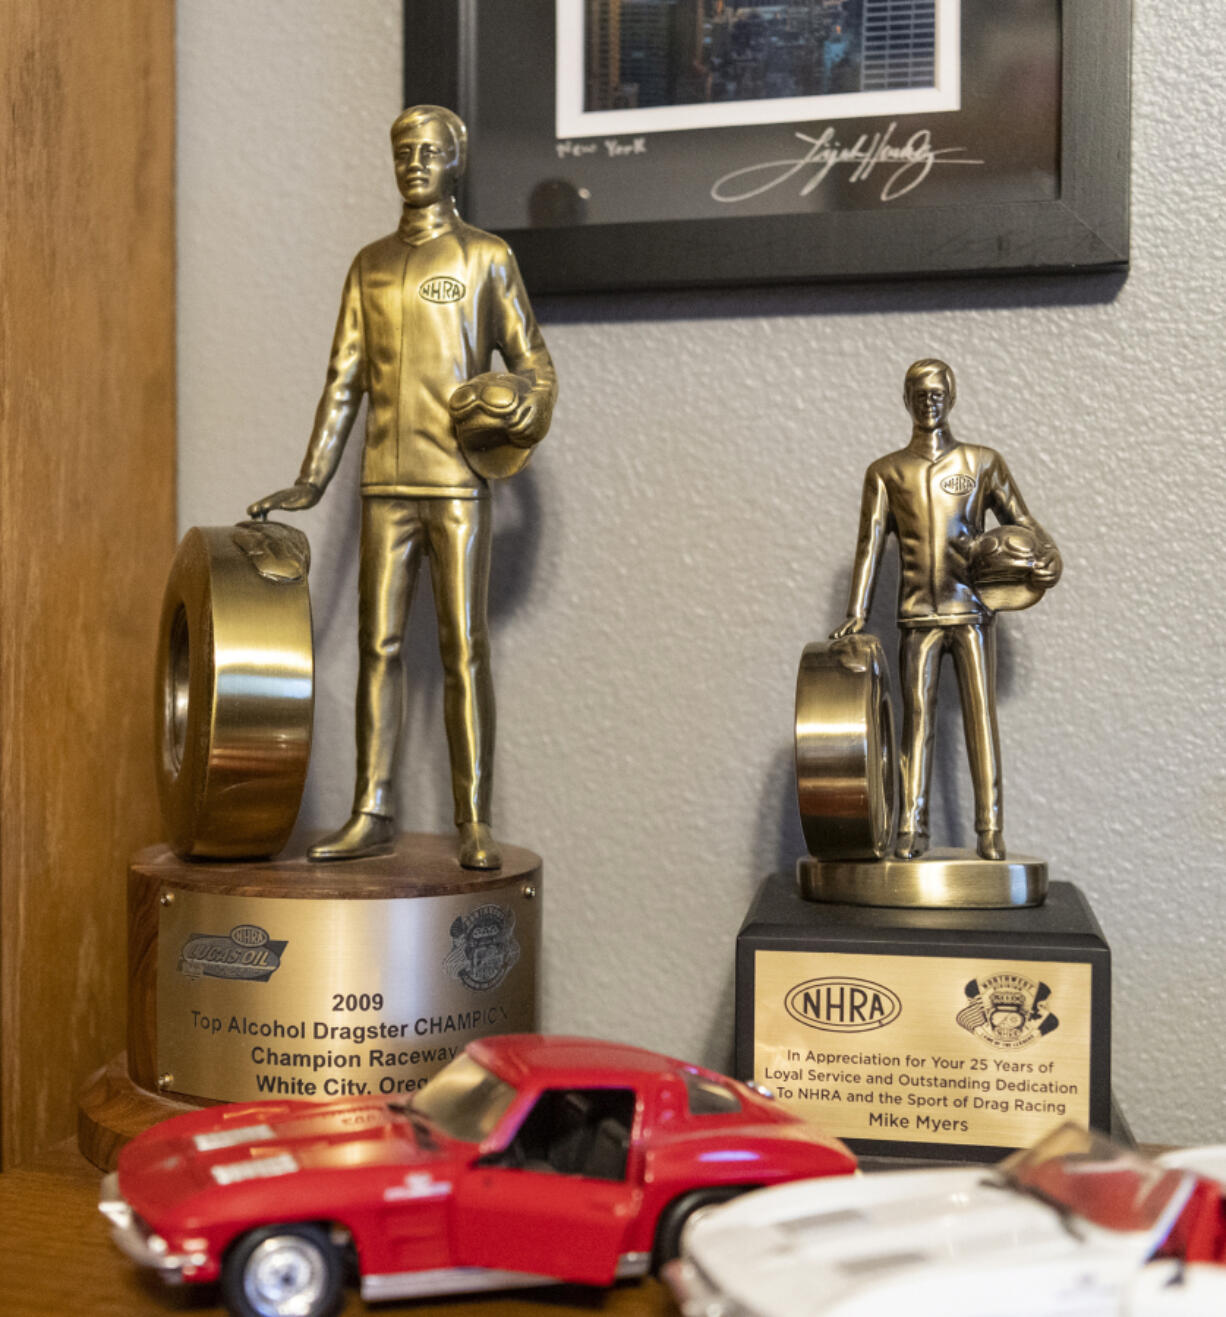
(330, 1301)
(678, 1212)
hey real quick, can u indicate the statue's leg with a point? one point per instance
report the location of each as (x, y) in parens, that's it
(920, 651)
(387, 567)
(459, 533)
(391, 546)
(975, 659)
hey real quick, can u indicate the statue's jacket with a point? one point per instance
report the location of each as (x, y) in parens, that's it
(419, 316)
(936, 507)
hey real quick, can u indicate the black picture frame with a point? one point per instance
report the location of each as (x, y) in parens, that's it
(1084, 227)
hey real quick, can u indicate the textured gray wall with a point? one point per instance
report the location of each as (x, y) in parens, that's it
(689, 526)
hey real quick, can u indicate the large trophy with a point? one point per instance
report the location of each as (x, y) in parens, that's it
(921, 1001)
(364, 965)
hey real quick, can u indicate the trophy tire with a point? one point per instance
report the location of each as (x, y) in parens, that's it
(235, 692)
(845, 754)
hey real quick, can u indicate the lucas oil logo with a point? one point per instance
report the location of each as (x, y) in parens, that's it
(442, 288)
(1007, 1010)
(483, 947)
(839, 1005)
(246, 952)
(957, 484)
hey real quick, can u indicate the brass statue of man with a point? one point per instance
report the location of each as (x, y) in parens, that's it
(934, 495)
(421, 314)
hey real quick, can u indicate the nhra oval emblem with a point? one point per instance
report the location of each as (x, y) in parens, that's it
(245, 953)
(1007, 1010)
(840, 1005)
(957, 484)
(442, 288)
(483, 947)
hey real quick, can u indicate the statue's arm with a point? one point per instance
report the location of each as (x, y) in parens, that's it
(1010, 508)
(523, 349)
(874, 526)
(338, 407)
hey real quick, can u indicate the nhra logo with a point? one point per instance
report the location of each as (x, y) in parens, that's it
(957, 484)
(245, 953)
(1007, 1010)
(839, 1005)
(442, 288)
(483, 947)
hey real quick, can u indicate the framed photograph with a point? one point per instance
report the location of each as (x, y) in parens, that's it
(673, 143)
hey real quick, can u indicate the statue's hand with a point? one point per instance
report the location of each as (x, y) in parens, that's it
(852, 627)
(1048, 568)
(294, 499)
(1048, 564)
(524, 426)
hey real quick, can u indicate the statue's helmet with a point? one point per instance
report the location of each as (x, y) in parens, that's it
(1012, 567)
(482, 410)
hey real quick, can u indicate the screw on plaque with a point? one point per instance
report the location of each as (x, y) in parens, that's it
(528, 891)
(166, 1080)
(167, 898)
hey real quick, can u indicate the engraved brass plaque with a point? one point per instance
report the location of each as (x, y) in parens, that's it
(925, 1049)
(263, 997)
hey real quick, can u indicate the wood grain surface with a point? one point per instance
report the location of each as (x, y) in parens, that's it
(422, 864)
(114, 1110)
(58, 1259)
(87, 504)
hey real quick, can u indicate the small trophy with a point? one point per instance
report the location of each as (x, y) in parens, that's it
(917, 1001)
(365, 965)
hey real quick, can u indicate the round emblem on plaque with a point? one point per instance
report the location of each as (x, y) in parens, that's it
(483, 947)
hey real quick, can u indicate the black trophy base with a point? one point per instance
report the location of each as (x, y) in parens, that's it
(952, 1035)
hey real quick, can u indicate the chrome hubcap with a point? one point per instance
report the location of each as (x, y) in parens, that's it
(285, 1277)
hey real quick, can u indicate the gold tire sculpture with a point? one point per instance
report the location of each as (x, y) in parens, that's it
(845, 756)
(235, 690)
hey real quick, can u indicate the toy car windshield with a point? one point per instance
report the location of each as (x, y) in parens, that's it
(464, 1100)
(1078, 1171)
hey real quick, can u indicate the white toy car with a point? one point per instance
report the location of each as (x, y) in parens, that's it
(1074, 1227)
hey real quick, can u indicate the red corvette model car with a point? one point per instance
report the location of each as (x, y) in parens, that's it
(527, 1160)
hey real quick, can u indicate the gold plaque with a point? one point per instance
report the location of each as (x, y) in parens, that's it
(929, 1049)
(264, 997)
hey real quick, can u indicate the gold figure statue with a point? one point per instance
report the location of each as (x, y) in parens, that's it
(421, 314)
(934, 495)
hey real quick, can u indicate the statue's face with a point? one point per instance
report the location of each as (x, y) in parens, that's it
(928, 399)
(425, 163)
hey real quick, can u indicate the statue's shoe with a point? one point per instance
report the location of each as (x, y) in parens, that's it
(910, 845)
(478, 849)
(991, 844)
(364, 835)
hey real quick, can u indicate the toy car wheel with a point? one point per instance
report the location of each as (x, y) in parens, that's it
(284, 1271)
(674, 1217)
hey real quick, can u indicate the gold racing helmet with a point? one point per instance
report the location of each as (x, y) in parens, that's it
(482, 409)
(1013, 567)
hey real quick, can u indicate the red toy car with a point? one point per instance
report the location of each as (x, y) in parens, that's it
(528, 1160)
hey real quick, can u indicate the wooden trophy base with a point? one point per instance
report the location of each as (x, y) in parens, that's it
(288, 979)
(112, 1110)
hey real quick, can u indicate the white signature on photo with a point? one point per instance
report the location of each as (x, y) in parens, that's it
(912, 162)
